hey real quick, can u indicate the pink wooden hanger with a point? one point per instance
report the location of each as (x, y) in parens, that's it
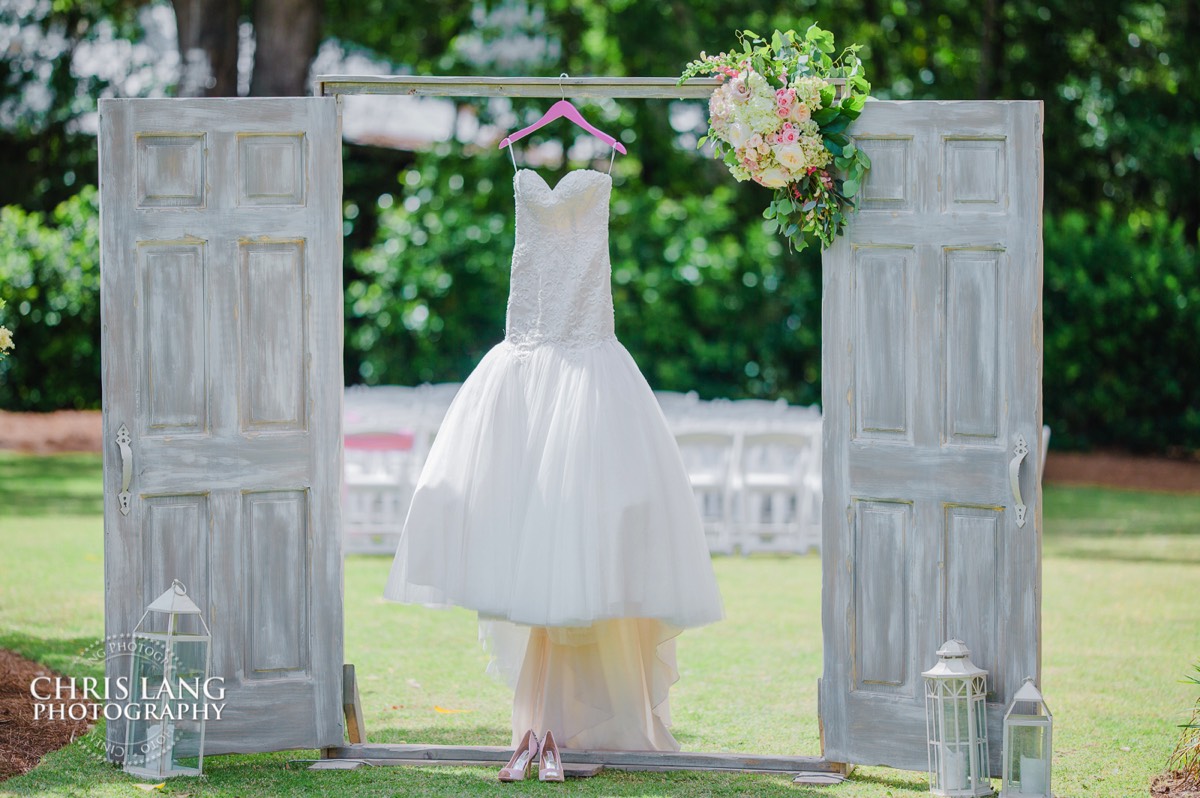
(562, 108)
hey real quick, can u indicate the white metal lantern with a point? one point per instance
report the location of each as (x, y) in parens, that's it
(164, 733)
(956, 719)
(1027, 729)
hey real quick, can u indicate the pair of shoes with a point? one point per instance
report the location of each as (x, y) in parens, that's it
(522, 759)
(550, 766)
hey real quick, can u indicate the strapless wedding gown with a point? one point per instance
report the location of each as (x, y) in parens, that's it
(554, 500)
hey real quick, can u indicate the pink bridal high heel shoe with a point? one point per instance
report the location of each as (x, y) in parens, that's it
(550, 763)
(522, 759)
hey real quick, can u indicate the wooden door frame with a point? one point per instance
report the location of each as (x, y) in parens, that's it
(663, 88)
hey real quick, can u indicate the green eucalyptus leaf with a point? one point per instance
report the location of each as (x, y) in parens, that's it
(850, 187)
(825, 115)
(836, 126)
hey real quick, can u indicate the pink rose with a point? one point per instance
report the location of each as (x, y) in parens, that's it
(741, 91)
(782, 112)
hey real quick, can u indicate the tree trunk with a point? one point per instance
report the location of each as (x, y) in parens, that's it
(990, 42)
(208, 47)
(286, 36)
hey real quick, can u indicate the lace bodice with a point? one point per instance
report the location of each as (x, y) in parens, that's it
(561, 285)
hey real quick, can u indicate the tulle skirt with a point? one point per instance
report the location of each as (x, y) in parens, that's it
(555, 503)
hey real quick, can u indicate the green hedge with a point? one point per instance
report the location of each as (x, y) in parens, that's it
(704, 300)
(50, 276)
(1122, 333)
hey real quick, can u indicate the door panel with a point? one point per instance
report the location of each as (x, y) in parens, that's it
(222, 355)
(931, 374)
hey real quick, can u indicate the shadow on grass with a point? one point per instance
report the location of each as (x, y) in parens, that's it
(1183, 551)
(45, 485)
(493, 735)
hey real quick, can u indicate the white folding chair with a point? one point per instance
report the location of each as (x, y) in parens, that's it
(709, 458)
(378, 487)
(774, 499)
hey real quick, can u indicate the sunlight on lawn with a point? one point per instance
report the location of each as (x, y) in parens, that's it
(1121, 584)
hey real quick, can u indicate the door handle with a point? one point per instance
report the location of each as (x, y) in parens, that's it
(1020, 450)
(124, 439)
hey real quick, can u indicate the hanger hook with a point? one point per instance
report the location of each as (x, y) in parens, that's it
(561, 90)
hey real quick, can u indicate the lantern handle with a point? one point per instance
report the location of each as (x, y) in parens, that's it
(179, 587)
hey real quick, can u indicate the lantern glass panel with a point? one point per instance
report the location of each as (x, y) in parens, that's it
(148, 674)
(1027, 759)
(189, 659)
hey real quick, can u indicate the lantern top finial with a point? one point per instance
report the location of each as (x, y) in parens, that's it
(1028, 692)
(954, 649)
(954, 662)
(175, 600)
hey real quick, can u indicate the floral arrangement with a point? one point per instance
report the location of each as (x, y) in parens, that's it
(6, 340)
(777, 120)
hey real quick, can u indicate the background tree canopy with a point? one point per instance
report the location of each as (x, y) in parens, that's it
(705, 299)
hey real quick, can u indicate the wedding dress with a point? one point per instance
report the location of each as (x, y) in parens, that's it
(554, 500)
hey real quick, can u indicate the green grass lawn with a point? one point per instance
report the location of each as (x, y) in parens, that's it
(1121, 615)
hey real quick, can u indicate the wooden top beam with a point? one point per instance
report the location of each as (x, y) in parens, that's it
(664, 88)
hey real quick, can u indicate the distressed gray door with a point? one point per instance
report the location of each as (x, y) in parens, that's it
(931, 388)
(222, 358)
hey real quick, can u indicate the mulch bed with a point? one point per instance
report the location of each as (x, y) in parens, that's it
(50, 433)
(1175, 785)
(24, 740)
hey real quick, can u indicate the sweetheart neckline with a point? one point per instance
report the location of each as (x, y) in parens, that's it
(562, 179)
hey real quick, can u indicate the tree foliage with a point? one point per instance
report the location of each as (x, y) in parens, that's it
(50, 280)
(706, 299)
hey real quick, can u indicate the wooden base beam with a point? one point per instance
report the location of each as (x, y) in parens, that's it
(485, 755)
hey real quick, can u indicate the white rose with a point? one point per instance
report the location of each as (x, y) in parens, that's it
(791, 156)
(738, 134)
(6, 342)
(772, 178)
(800, 113)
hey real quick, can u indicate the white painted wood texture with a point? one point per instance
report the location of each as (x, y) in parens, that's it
(646, 88)
(221, 260)
(931, 368)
